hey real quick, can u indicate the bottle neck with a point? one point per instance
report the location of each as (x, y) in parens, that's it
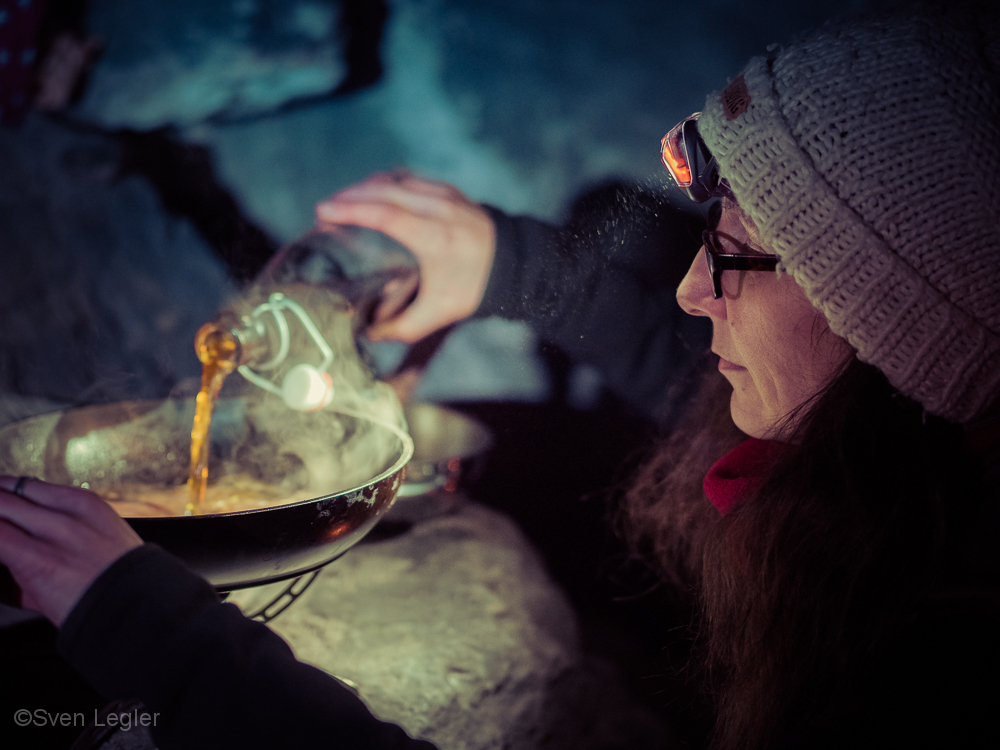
(254, 343)
(232, 341)
(258, 344)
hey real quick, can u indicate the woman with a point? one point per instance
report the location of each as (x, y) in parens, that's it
(843, 600)
(852, 281)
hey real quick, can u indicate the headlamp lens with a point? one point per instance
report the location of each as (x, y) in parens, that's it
(673, 156)
(690, 163)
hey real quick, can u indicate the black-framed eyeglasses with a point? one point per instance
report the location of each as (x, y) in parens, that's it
(725, 253)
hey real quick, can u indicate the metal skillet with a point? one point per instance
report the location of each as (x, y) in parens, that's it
(146, 442)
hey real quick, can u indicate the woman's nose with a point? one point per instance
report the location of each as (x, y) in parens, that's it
(695, 293)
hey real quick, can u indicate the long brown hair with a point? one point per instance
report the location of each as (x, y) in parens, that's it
(801, 583)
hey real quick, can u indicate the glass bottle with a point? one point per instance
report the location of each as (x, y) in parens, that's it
(346, 268)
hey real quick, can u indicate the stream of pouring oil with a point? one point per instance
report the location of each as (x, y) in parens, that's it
(217, 350)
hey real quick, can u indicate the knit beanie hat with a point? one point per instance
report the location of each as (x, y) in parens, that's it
(868, 155)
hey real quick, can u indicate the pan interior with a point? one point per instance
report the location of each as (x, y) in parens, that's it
(298, 456)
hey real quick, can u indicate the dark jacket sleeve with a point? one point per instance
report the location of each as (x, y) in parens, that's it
(150, 629)
(603, 290)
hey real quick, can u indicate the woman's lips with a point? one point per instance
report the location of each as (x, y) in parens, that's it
(726, 365)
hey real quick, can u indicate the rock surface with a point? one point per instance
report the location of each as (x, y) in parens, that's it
(101, 290)
(189, 60)
(455, 631)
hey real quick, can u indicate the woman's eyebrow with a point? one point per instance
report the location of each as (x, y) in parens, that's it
(753, 233)
(751, 230)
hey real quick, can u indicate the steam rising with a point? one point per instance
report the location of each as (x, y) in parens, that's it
(338, 447)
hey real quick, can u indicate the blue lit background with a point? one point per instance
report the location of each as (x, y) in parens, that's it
(519, 103)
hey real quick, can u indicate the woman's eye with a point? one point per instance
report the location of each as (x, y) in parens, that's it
(732, 246)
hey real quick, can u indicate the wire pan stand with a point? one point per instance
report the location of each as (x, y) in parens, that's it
(295, 588)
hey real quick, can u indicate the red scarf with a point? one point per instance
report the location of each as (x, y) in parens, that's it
(740, 472)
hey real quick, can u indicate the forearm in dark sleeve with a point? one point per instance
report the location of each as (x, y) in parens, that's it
(150, 629)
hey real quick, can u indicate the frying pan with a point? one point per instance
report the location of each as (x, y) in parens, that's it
(147, 442)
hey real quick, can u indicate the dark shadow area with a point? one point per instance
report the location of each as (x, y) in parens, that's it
(36, 677)
(185, 180)
(362, 23)
(556, 470)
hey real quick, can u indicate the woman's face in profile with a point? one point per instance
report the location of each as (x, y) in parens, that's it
(774, 347)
